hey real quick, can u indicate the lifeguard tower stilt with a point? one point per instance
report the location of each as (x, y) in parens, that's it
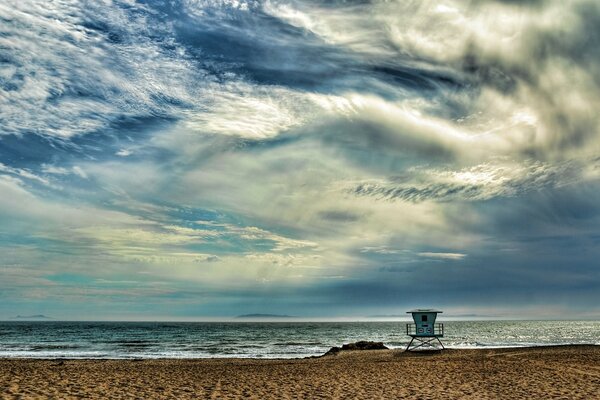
(425, 331)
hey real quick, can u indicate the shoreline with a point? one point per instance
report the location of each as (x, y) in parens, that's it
(563, 371)
(234, 357)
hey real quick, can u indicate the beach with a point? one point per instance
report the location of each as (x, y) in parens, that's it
(556, 372)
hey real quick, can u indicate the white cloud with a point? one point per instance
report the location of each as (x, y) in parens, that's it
(23, 173)
(79, 172)
(443, 256)
(124, 153)
(248, 111)
(19, 206)
(70, 79)
(54, 170)
(498, 178)
(528, 70)
(380, 250)
(351, 26)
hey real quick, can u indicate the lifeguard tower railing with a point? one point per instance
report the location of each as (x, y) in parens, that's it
(435, 330)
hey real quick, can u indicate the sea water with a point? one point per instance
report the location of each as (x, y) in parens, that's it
(53, 339)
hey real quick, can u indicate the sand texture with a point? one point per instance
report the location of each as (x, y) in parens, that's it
(563, 372)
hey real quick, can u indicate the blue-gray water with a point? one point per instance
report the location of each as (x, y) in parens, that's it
(263, 340)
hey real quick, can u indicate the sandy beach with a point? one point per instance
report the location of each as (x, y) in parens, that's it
(561, 372)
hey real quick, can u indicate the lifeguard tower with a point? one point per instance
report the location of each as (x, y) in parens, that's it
(424, 330)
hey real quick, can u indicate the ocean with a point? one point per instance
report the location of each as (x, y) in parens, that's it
(129, 340)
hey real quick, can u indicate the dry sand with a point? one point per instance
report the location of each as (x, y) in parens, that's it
(562, 372)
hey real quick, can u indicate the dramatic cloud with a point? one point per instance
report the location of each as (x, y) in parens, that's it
(202, 158)
(480, 182)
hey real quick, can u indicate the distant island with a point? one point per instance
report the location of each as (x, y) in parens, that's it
(37, 316)
(264, 316)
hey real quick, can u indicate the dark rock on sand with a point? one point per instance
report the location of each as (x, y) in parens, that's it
(362, 345)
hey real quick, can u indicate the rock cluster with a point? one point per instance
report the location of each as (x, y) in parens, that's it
(362, 345)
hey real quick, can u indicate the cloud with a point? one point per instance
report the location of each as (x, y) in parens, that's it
(339, 216)
(52, 169)
(480, 182)
(293, 148)
(443, 256)
(250, 112)
(23, 173)
(91, 68)
(538, 105)
(379, 250)
(21, 207)
(79, 172)
(123, 153)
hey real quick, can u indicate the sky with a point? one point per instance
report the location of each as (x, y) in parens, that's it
(189, 159)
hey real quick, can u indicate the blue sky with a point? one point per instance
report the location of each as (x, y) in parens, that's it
(193, 159)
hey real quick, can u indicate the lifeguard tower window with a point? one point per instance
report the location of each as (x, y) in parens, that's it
(423, 318)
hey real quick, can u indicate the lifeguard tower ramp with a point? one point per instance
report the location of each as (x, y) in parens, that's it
(424, 332)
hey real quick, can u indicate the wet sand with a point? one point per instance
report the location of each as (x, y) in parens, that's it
(561, 372)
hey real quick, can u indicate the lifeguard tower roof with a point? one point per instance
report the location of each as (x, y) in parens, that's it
(424, 310)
